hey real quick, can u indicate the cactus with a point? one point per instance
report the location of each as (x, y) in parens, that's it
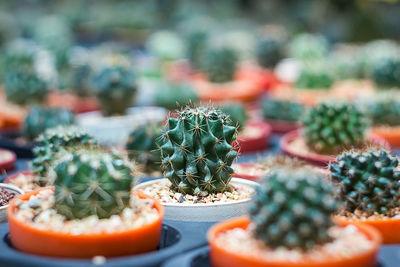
(269, 51)
(166, 45)
(173, 96)
(386, 73)
(114, 87)
(220, 65)
(52, 145)
(39, 119)
(197, 153)
(236, 112)
(196, 43)
(315, 76)
(383, 110)
(368, 181)
(92, 183)
(292, 208)
(18, 55)
(308, 47)
(330, 128)
(143, 145)
(281, 110)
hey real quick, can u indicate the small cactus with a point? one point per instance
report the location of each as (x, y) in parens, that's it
(173, 96)
(315, 76)
(236, 112)
(269, 52)
(383, 110)
(281, 110)
(308, 47)
(220, 65)
(387, 73)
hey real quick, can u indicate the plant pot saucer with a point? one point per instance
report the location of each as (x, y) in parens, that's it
(205, 212)
(7, 160)
(254, 137)
(282, 127)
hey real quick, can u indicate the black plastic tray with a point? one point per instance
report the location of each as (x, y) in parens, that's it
(177, 238)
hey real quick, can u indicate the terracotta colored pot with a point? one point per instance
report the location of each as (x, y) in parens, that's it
(29, 239)
(247, 171)
(9, 164)
(221, 257)
(390, 134)
(254, 143)
(314, 158)
(387, 227)
(282, 126)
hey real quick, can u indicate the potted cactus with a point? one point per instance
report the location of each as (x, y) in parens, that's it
(175, 95)
(290, 224)
(196, 156)
(90, 211)
(386, 73)
(327, 130)
(368, 185)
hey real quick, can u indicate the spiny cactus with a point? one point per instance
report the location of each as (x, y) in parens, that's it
(24, 87)
(173, 96)
(144, 145)
(39, 119)
(236, 112)
(197, 153)
(368, 181)
(269, 52)
(220, 65)
(315, 76)
(292, 209)
(329, 128)
(52, 145)
(92, 183)
(281, 110)
(114, 87)
(387, 73)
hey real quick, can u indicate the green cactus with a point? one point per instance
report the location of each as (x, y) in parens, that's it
(173, 96)
(236, 112)
(368, 181)
(92, 183)
(292, 208)
(220, 65)
(115, 88)
(387, 73)
(315, 76)
(308, 47)
(269, 52)
(39, 119)
(330, 128)
(143, 145)
(197, 153)
(18, 55)
(281, 110)
(166, 45)
(52, 145)
(383, 110)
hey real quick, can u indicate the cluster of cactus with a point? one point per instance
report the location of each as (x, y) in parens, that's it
(143, 145)
(52, 145)
(115, 88)
(386, 73)
(269, 51)
(281, 110)
(308, 47)
(91, 182)
(39, 119)
(197, 153)
(236, 112)
(292, 208)
(368, 181)
(330, 128)
(173, 96)
(383, 110)
(220, 64)
(315, 76)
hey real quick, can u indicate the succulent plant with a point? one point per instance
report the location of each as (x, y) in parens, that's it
(368, 181)
(24, 87)
(383, 110)
(315, 76)
(330, 128)
(292, 208)
(281, 110)
(269, 51)
(308, 46)
(236, 112)
(197, 153)
(92, 183)
(52, 146)
(220, 65)
(387, 73)
(39, 119)
(172, 96)
(143, 145)
(114, 87)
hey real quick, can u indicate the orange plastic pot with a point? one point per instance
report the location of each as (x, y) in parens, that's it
(390, 134)
(29, 239)
(221, 257)
(388, 228)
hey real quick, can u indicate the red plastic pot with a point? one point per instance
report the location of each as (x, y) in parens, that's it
(9, 164)
(254, 143)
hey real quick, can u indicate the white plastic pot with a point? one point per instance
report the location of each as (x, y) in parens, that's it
(3, 209)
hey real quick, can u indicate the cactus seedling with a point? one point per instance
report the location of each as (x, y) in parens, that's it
(197, 153)
(368, 181)
(236, 112)
(220, 65)
(92, 183)
(293, 209)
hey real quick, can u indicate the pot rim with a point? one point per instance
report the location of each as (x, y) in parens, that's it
(15, 175)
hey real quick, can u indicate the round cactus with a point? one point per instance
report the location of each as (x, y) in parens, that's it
(220, 65)
(173, 96)
(387, 73)
(236, 112)
(166, 45)
(330, 128)
(144, 145)
(308, 47)
(292, 209)
(383, 110)
(281, 110)
(315, 76)
(18, 55)
(197, 153)
(269, 51)
(92, 183)
(368, 181)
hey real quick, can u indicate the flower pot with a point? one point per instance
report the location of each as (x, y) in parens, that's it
(26, 187)
(256, 139)
(115, 129)
(7, 160)
(248, 171)
(314, 158)
(29, 239)
(3, 209)
(220, 256)
(390, 134)
(205, 212)
(282, 127)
